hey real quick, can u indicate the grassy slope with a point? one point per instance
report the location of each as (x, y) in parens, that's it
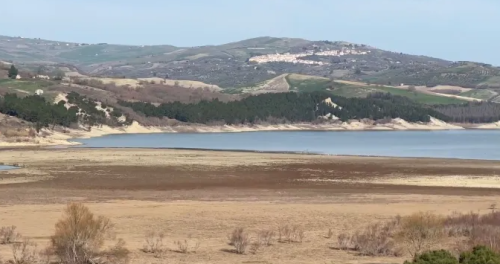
(304, 83)
(106, 53)
(28, 87)
(422, 97)
(313, 83)
(467, 75)
(483, 94)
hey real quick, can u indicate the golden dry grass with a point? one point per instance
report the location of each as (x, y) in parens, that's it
(300, 77)
(209, 210)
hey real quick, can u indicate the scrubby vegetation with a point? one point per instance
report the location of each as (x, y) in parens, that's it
(80, 237)
(288, 107)
(478, 255)
(422, 235)
(37, 110)
(93, 113)
(41, 113)
(476, 112)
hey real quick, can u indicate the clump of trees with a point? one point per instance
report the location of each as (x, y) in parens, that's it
(13, 72)
(91, 115)
(38, 111)
(474, 112)
(289, 107)
(41, 113)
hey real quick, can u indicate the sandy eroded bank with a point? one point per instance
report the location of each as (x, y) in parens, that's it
(52, 138)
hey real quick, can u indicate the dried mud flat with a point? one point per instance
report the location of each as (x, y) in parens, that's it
(205, 194)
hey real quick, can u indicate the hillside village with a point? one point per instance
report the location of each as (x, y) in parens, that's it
(296, 57)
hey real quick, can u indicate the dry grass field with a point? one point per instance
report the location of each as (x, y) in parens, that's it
(201, 196)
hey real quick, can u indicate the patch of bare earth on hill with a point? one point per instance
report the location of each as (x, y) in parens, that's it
(203, 195)
(277, 84)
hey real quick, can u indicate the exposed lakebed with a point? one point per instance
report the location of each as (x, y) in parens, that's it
(462, 144)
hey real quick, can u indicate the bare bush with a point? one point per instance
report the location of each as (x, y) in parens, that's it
(377, 239)
(420, 231)
(9, 235)
(344, 241)
(290, 234)
(266, 237)
(240, 240)
(80, 235)
(153, 243)
(255, 246)
(457, 225)
(117, 254)
(476, 229)
(25, 252)
(187, 246)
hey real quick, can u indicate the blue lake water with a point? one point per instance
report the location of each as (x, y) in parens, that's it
(4, 167)
(463, 144)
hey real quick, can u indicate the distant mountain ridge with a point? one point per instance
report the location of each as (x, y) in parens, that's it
(251, 61)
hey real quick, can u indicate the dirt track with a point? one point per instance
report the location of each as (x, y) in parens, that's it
(204, 194)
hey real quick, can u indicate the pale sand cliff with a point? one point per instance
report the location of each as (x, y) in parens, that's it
(53, 138)
(495, 125)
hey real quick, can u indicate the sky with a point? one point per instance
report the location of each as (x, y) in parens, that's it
(448, 29)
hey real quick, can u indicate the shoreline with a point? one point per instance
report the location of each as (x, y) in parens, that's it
(62, 139)
(82, 146)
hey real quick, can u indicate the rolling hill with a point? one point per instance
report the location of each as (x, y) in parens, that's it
(252, 61)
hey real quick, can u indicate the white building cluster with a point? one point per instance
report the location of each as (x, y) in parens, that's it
(294, 58)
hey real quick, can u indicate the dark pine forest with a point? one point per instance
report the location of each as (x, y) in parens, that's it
(290, 107)
(274, 107)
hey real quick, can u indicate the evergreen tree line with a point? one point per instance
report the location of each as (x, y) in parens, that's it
(292, 107)
(475, 112)
(35, 109)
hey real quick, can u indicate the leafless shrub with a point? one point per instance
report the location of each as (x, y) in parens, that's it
(266, 237)
(25, 252)
(255, 246)
(240, 240)
(80, 235)
(290, 234)
(154, 243)
(187, 246)
(377, 239)
(420, 231)
(117, 254)
(344, 241)
(9, 235)
(458, 224)
(476, 229)
(45, 255)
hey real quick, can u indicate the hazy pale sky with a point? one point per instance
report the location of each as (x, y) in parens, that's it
(449, 29)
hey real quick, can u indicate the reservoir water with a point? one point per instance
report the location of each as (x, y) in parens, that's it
(5, 167)
(462, 144)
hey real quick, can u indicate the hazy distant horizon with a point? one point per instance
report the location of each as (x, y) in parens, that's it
(447, 29)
